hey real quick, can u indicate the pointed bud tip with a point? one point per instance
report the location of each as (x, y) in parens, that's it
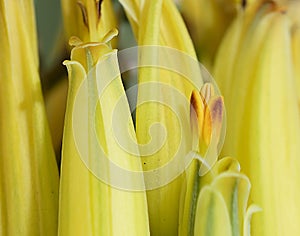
(216, 109)
(207, 91)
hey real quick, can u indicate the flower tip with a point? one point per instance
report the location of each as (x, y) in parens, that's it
(66, 62)
(217, 108)
(75, 41)
(110, 35)
(207, 91)
(195, 100)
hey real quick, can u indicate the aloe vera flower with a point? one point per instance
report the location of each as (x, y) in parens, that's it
(28, 170)
(87, 199)
(256, 73)
(91, 202)
(151, 168)
(153, 25)
(215, 200)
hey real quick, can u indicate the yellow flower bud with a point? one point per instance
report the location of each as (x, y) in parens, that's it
(28, 169)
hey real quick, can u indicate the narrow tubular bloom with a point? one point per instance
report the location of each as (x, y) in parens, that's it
(215, 202)
(167, 93)
(102, 188)
(206, 115)
(28, 170)
(256, 74)
(95, 199)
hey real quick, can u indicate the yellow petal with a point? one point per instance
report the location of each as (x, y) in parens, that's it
(235, 190)
(212, 218)
(249, 213)
(263, 119)
(102, 185)
(28, 170)
(89, 20)
(163, 99)
(207, 111)
(225, 186)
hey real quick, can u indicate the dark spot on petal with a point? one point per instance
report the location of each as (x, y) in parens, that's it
(244, 3)
(98, 6)
(84, 13)
(217, 109)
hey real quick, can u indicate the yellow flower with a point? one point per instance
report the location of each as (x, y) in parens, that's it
(216, 196)
(162, 110)
(89, 20)
(102, 188)
(255, 72)
(29, 175)
(95, 198)
(222, 205)
(206, 115)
